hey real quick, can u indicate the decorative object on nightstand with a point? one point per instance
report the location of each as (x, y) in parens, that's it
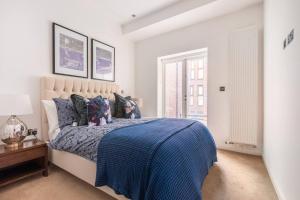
(14, 131)
(28, 159)
(33, 132)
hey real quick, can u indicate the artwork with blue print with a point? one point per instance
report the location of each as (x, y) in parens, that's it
(103, 61)
(71, 53)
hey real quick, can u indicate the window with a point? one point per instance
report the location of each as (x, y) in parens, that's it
(191, 101)
(183, 88)
(201, 63)
(200, 100)
(200, 90)
(200, 95)
(201, 69)
(191, 91)
(193, 73)
(173, 91)
(200, 74)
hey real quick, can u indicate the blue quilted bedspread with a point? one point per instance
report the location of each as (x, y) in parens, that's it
(165, 159)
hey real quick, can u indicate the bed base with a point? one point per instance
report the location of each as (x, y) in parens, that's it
(80, 167)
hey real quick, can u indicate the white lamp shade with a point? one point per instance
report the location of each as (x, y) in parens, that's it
(15, 105)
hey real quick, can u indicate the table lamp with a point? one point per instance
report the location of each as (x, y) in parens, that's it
(14, 131)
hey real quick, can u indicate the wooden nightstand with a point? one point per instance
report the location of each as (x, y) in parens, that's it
(28, 159)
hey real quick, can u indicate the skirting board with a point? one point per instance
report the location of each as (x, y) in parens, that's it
(235, 148)
(80, 167)
(274, 183)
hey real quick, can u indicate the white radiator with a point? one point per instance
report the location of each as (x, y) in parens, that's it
(244, 86)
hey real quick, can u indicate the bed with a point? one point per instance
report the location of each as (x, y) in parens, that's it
(87, 170)
(57, 86)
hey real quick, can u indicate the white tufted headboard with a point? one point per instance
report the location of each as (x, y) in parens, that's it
(57, 86)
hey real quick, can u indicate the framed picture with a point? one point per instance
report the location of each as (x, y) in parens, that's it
(70, 52)
(103, 61)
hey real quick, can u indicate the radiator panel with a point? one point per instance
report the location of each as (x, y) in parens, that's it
(244, 86)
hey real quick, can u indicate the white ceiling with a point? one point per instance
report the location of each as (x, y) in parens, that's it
(123, 9)
(181, 14)
(154, 17)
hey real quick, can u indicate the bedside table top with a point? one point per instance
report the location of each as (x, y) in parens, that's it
(27, 145)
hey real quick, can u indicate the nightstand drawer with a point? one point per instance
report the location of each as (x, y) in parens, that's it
(23, 156)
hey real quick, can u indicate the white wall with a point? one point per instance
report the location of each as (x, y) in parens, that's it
(213, 34)
(282, 97)
(26, 43)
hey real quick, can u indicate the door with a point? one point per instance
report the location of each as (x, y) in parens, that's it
(196, 92)
(173, 90)
(185, 87)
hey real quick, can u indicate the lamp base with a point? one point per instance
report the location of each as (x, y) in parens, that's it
(11, 143)
(14, 145)
(13, 132)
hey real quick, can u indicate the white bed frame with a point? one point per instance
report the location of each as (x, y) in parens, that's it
(59, 86)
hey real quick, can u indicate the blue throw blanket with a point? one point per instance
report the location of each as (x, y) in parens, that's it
(165, 159)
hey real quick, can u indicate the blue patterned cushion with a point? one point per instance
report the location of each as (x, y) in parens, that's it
(126, 107)
(112, 108)
(98, 111)
(80, 105)
(65, 112)
(132, 110)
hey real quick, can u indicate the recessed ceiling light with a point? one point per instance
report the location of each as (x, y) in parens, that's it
(133, 16)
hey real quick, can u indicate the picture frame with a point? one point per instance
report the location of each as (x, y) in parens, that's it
(103, 61)
(70, 52)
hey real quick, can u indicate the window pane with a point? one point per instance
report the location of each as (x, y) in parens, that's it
(200, 90)
(201, 63)
(196, 64)
(191, 91)
(192, 65)
(179, 89)
(201, 74)
(192, 101)
(192, 74)
(200, 100)
(173, 89)
(170, 90)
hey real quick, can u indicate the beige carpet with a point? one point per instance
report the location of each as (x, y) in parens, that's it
(234, 177)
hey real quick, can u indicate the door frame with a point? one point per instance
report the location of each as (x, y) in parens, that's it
(184, 89)
(161, 61)
(184, 60)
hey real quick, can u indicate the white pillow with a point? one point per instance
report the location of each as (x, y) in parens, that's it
(52, 117)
